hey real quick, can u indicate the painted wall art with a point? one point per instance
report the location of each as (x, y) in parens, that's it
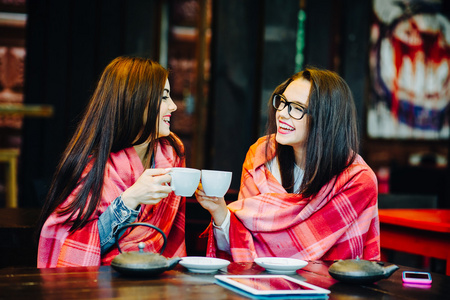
(409, 70)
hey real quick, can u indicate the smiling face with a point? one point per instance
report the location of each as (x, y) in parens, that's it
(292, 132)
(165, 112)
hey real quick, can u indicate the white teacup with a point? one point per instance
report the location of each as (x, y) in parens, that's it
(216, 183)
(185, 181)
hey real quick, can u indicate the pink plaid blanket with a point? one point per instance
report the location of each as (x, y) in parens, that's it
(59, 248)
(341, 222)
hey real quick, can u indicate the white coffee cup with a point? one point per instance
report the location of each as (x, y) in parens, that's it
(216, 183)
(185, 181)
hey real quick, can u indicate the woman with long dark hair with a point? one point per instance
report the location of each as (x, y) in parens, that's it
(305, 192)
(114, 171)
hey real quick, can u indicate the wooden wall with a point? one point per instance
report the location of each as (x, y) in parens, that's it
(235, 67)
(68, 45)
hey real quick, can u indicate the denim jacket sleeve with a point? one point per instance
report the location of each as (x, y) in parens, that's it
(115, 217)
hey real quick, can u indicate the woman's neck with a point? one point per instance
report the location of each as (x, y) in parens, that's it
(143, 153)
(299, 154)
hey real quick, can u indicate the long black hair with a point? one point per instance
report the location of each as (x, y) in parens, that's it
(128, 88)
(332, 142)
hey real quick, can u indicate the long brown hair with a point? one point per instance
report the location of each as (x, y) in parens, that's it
(332, 142)
(113, 120)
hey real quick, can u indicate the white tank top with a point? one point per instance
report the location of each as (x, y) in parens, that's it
(274, 168)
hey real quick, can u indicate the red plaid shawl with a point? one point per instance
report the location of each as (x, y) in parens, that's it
(340, 222)
(59, 248)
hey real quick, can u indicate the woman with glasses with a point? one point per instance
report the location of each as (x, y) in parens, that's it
(305, 192)
(115, 171)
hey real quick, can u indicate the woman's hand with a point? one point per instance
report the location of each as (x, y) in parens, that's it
(216, 206)
(150, 188)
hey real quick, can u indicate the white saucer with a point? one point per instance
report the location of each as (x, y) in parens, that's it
(200, 264)
(280, 265)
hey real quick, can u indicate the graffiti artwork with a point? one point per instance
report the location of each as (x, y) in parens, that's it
(410, 70)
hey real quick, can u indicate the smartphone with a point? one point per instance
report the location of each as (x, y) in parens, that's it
(416, 277)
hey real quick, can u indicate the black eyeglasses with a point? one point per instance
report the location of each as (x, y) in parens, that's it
(295, 110)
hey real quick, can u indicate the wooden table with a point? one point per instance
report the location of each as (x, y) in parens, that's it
(418, 231)
(104, 282)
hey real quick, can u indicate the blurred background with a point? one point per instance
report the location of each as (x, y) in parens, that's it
(225, 59)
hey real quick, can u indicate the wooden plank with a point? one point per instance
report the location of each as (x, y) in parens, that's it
(26, 110)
